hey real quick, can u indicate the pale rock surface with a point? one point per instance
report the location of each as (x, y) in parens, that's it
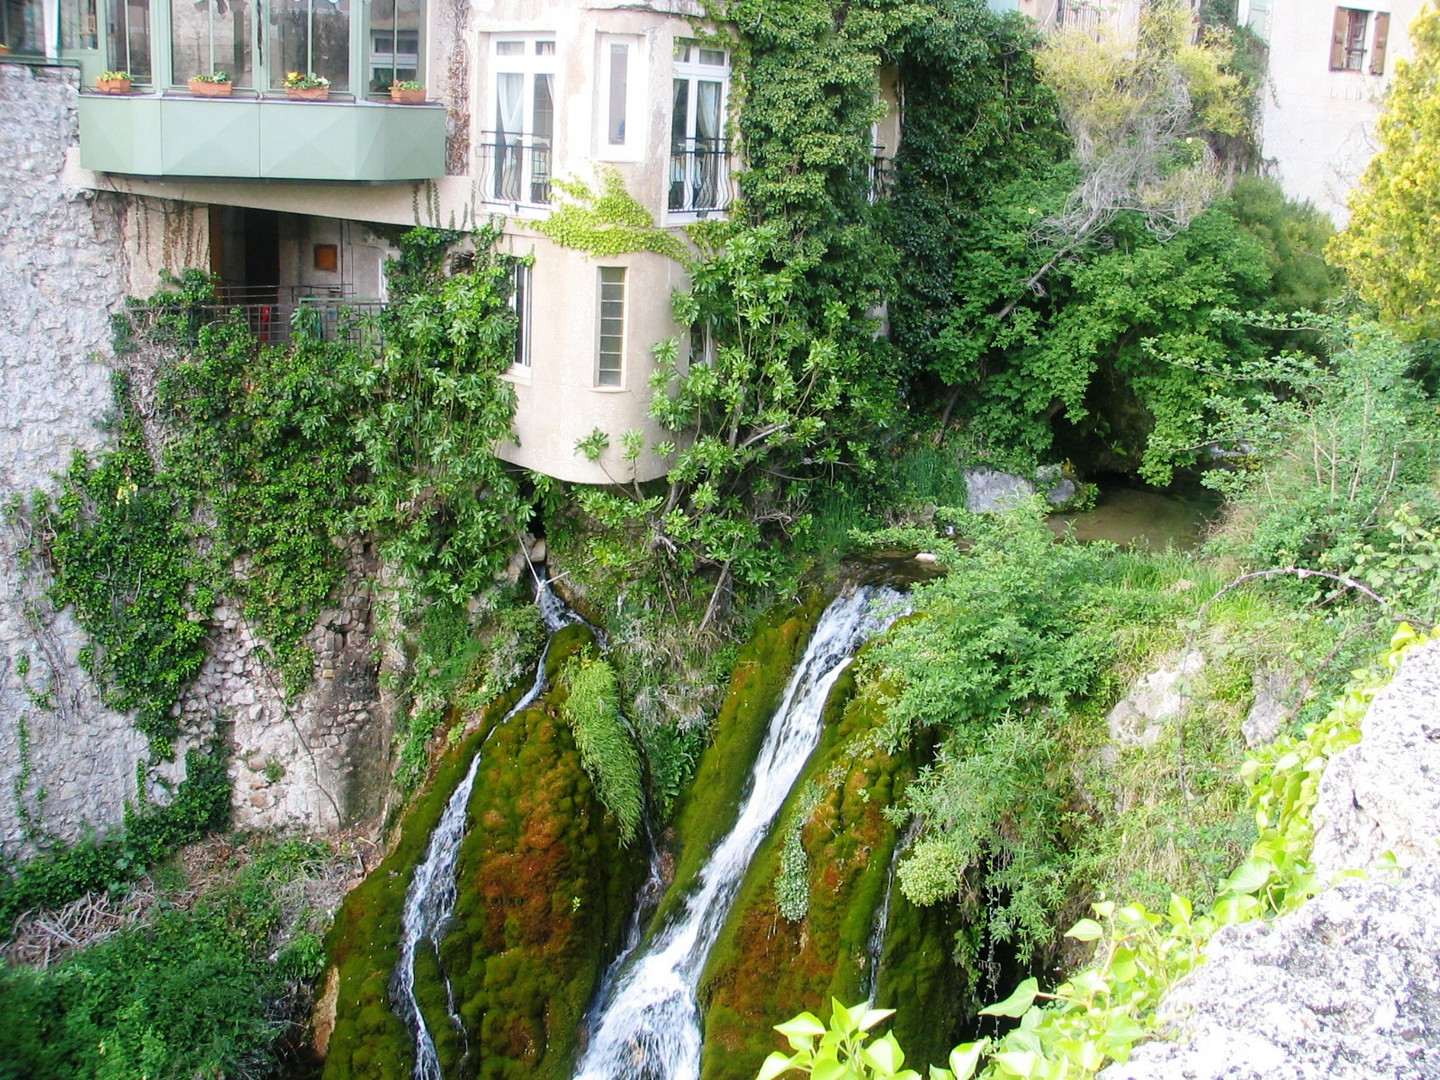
(1139, 718)
(1348, 986)
(1383, 795)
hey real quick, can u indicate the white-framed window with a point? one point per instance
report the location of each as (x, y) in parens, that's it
(701, 351)
(610, 345)
(620, 123)
(520, 301)
(516, 154)
(1357, 34)
(699, 180)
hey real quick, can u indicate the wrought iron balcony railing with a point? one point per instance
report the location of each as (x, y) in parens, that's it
(515, 168)
(699, 176)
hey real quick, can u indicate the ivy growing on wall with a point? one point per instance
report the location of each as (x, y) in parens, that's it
(121, 555)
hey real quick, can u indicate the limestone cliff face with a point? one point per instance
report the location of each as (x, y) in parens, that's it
(1348, 986)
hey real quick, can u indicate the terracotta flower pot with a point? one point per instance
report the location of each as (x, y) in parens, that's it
(309, 93)
(408, 97)
(113, 86)
(210, 89)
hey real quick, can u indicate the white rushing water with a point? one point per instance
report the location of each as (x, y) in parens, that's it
(430, 900)
(646, 1025)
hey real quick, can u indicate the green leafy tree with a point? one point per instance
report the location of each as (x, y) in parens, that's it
(784, 403)
(1391, 247)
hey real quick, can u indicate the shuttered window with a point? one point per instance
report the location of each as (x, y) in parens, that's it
(1382, 38)
(1347, 39)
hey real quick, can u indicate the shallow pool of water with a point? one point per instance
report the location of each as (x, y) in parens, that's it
(1139, 517)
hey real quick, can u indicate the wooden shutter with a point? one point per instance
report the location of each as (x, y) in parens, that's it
(1337, 39)
(1382, 34)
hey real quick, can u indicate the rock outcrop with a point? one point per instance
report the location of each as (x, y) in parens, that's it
(1348, 986)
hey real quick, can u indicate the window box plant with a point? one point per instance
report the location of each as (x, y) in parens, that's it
(215, 84)
(113, 82)
(407, 92)
(306, 87)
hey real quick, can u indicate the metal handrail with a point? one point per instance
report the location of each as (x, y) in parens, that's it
(699, 176)
(515, 167)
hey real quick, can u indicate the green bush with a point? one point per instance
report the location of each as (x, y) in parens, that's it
(201, 804)
(192, 994)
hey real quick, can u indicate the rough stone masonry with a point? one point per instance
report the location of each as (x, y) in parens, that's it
(68, 258)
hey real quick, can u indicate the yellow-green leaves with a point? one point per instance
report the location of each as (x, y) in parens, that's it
(839, 1051)
(1391, 248)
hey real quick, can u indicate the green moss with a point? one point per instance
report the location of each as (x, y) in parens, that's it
(765, 965)
(545, 892)
(708, 809)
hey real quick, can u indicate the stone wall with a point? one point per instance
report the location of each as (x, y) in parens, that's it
(60, 277)
(318, 762)
(68, 258)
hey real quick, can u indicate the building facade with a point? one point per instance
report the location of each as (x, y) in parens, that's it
(1329, 68)
(300, 200)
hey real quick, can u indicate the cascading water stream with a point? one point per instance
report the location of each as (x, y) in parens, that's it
(875, 947)
(430, 900)
(646, 1025)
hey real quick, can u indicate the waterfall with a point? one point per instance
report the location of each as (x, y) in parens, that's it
(430, 900)
(875, 946)
(646, 1025)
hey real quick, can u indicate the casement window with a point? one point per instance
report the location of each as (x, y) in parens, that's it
(516, 165)
(216, 35)
(127, 37)
(1356, 33)
(395, 32)
(699, 152)
(305, 36)
(621, 135)
(520, 304)
(610, 350)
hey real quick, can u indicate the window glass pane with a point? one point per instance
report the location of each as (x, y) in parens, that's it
(520, 302)
(543, 124)
(544, 48)
(712, 56)
(310, 35)
(79, 24)
(509, 48)
(619, 81)
(211, 35)
(22, 26)
(394, 42)
(127, 37)
(611, 348)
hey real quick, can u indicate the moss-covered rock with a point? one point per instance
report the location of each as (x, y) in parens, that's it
(766, 967)
(708, 810)
(544, 890)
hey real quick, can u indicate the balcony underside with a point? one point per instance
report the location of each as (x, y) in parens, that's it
(240, 138)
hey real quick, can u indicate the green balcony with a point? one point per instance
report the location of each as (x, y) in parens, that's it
(260, 139)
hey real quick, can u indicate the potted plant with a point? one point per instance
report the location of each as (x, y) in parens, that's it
(309, 87)
(407, 92)
(215, 84)
(113, 82)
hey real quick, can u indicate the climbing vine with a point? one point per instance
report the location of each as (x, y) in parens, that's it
(607, 222)
(120, 552)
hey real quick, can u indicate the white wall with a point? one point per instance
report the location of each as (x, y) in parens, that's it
(1317, 125)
